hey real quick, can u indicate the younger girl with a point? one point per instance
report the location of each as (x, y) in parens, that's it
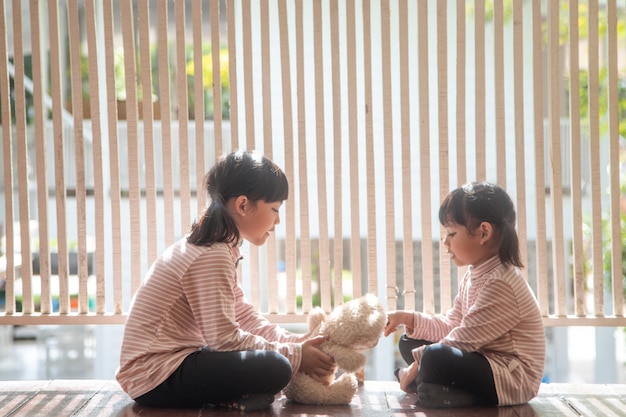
(489, 348)
(191, 339)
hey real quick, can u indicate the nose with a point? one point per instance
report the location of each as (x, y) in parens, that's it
(277, 220)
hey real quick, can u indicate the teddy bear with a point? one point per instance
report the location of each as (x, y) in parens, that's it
(351, 329)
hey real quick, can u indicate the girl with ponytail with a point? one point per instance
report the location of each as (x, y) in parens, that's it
(489, 348)
(191, 339)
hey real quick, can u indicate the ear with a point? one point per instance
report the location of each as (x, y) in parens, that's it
(485, 232)
(242, 205)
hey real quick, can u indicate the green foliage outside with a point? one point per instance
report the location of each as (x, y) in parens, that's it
(207, 78)
(207, 81)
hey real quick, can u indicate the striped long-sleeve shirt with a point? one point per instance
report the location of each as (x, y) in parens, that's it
(496, 314)
(191, 298)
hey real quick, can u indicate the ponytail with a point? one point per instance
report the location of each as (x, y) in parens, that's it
(509, 245)
(215, 225)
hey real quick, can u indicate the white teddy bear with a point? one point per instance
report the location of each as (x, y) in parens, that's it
(351, 329)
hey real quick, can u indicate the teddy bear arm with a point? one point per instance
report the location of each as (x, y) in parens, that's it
(346, 358)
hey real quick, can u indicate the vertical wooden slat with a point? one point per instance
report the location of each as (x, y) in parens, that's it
(272, 283)
(406, 183)
(498, 69)
(250, 143)
(576, 160)
(166, 123)
(480, 96)
(79, 152)
(305, 244)
(594, 139)
(461, 106)
(232, 69)
(98, 157)
(540, 181)
(216, 49)
(520, 147)
(445, 281)
(233, 82)
(246, 23)
(41, 153)
(461, 151)
(372, 255)
(114, 168)
(387, 120)
(288, 128)
(353, 146)
(7, 149)
(21, 137)
(556, 175)
(320, 135)
(337, 152)
(183, 116)
(198, 92)
(134, 192)
(143, 15)
(614, 164)
(428, 291)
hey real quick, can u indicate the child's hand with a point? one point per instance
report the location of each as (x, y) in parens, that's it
(399, 318)
(315, 363)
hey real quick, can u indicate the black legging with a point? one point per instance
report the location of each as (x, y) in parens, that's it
(445, 365)
(207, 377)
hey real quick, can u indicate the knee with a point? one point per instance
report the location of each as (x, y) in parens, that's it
(406, 346)
(438, 356)
(280, 367)
(434, 352)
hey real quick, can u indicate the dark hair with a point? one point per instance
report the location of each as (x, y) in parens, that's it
(239, 173)
(478, 202)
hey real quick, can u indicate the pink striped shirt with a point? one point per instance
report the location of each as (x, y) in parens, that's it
(496, 314)
(192, 298)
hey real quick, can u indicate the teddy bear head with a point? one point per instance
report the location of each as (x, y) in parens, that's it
(357, 324)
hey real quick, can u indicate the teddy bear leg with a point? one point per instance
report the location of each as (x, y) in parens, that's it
(360, 376)
(342, 390)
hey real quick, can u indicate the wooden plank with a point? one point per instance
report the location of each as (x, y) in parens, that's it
(388, 148)
(610, 321)
(593, 400)
(372, 258)
(14, 394)
(405, 135)
(41, 319)
(108, 400)
(52, 399)
(91, 318)
(374, 398)
(428, 285)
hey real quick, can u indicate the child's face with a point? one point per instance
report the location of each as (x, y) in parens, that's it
(259, 221)
(463, 247)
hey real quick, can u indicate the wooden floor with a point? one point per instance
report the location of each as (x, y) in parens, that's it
(96, 398)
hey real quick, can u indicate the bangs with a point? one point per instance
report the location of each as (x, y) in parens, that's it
(452, 210)
(272, 185)
(277, 188)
